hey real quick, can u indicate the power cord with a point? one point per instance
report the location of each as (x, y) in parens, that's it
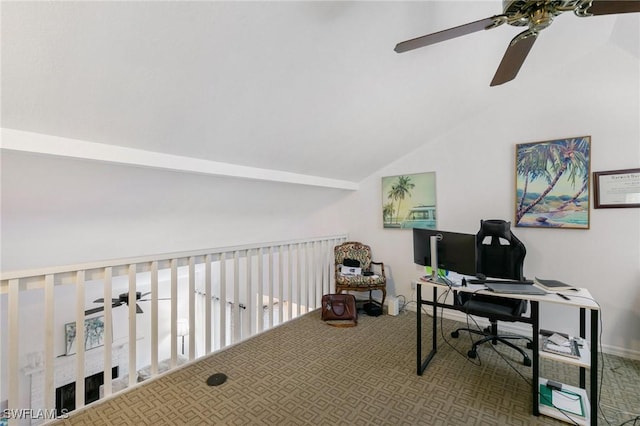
(445, 294)
(508, 362)
(602, 362)
(635, 421)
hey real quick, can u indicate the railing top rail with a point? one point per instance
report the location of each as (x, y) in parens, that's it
(37, 272)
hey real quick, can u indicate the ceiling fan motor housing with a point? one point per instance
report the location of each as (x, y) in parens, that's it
(124, 297)
(536, 14)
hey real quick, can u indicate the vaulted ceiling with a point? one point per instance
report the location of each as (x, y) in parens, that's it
(306, 87)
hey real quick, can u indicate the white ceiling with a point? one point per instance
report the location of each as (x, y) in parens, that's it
(305, 87)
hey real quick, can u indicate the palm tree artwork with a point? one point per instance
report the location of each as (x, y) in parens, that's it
(552, 183)
(409, 201)
(400, 191)
(387, 212)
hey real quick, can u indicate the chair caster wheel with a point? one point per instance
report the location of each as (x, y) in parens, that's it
(527, 362)
(472, 354)
(455, 334)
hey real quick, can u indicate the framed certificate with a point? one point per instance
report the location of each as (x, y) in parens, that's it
(617, 188)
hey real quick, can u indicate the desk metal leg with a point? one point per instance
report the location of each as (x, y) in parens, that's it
(434, 329)
(583, 334)
(419, 330)
(421, 366)
(594, 367)
(535, 318)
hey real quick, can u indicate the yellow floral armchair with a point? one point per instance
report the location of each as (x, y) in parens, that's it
(372, 277)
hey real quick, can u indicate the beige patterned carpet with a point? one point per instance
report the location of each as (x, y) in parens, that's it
(308, 373)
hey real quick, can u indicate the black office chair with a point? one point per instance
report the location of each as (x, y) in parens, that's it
(502, 256)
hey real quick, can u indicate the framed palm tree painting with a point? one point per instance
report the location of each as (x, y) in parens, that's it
(552, 183)
(409, 201)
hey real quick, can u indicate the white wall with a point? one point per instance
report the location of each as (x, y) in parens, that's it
(475, 180)
(58, 211)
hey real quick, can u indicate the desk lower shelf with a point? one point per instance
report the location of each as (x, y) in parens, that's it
(564, 416)
(584, 361)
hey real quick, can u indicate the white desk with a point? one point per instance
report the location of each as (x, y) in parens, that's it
(581, 300)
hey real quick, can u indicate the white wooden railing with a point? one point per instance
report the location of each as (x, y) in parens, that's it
(227, 294)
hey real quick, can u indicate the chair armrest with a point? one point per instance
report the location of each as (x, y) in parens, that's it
(380, 264)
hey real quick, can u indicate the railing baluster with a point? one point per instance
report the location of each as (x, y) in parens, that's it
(108, 330)
(49, 355)
(271, 283)
(260, 290)
(80, 339)
(192, 308)
(313, 270)
(321, 265)
(281, 296)
(154, 318)
(174, 312)
(290, 282)
(222, 317)
(133, 334)
(306, 281)
(250, 294)
(299, 279)
(14, 333)
(236, 322)
(207, 304)
(328, 268)
(317, 287)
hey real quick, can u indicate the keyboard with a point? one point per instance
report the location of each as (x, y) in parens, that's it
(490, 281)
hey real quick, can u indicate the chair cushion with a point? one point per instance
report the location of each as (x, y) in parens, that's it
(360, 281)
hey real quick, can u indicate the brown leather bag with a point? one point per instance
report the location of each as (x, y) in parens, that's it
(339, 310)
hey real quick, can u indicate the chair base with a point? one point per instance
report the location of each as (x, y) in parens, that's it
(494, 339)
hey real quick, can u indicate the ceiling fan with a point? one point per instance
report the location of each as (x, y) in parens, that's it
(535, 14)
(122, 299)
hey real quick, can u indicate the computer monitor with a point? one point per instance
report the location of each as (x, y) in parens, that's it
(456, 251)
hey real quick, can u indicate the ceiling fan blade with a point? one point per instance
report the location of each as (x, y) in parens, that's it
(138, 309)
(610, 7)
(94, 310)
(101, 300)
(448, 34)
(514, 57)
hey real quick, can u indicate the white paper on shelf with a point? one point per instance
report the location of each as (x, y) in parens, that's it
(567, 401)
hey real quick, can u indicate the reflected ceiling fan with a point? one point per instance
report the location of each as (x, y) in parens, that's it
(534, 14)
(122, 299)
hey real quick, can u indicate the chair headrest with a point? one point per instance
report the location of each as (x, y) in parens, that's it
(496, 228)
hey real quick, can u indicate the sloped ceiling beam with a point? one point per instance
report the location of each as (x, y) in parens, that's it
(18, 140)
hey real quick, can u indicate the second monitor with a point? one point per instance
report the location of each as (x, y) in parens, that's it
(456, 251)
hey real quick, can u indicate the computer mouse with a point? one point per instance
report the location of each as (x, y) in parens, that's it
(481, 276)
